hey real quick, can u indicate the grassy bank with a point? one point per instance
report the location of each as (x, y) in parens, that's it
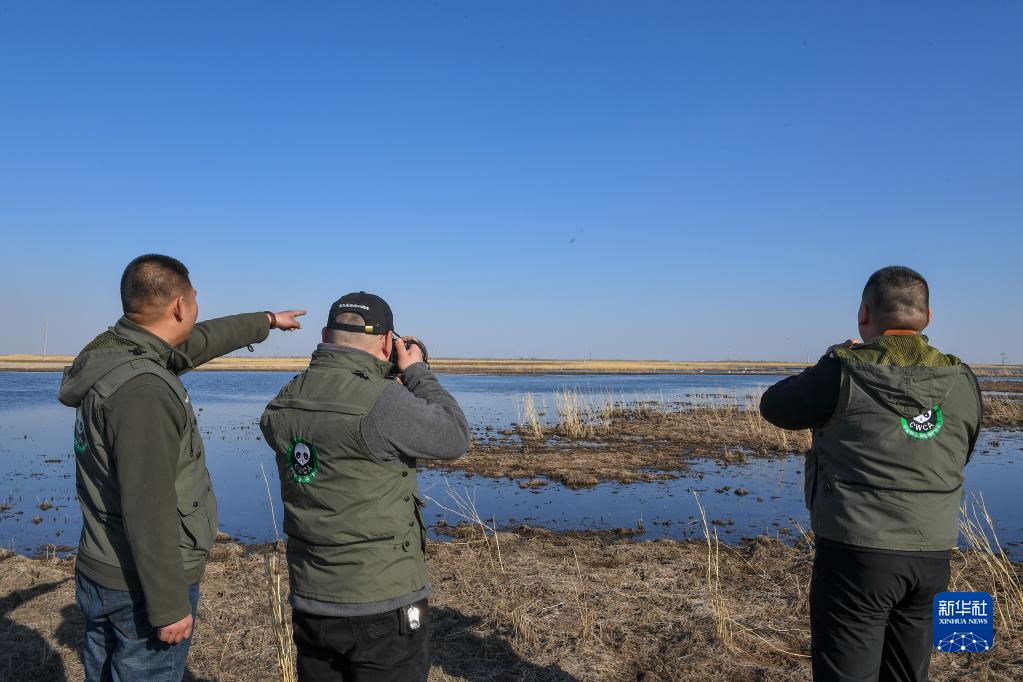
(533, 605)
(56, 363)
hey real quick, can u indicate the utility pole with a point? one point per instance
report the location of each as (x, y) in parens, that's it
(46, 330)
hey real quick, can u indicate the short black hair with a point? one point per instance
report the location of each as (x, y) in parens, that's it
(151, 279)
(898, 298)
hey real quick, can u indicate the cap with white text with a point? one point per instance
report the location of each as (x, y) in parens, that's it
(375, 312)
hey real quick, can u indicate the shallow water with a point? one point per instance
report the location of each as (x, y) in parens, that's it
(37, 466)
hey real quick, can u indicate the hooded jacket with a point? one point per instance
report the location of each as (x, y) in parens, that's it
(148, 510)
(886, 470)
(347, 439)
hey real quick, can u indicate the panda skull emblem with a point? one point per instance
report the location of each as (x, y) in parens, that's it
(302, 454)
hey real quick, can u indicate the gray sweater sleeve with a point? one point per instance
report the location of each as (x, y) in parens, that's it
(419, 419)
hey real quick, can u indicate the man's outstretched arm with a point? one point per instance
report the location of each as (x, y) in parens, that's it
(223, 335)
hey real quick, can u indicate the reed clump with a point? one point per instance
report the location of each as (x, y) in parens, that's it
(529, 413)
(721, 424)
(582, 416)
(1003, 411)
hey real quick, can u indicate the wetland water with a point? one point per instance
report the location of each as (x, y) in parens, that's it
(37, 464)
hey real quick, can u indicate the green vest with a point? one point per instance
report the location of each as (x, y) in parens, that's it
(103, 535)
(887, 470)
(355, 533)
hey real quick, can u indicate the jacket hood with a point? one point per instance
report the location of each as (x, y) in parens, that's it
(904, 373)
(125, 342)
(907, 391)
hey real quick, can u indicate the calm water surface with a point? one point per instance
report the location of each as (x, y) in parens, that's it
(37, 465)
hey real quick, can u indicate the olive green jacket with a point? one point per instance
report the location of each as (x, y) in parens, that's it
(148, 510)
(356, 538)
(886, 471)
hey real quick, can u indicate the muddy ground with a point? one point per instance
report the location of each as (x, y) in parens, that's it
(526, 605)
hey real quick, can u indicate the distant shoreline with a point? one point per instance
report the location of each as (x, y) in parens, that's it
(489, 366)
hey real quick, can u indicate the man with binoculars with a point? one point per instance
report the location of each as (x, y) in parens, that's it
(347, 436)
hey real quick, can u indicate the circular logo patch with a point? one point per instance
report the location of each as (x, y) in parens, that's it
(923, 426)
(80, 442)
(303, 460)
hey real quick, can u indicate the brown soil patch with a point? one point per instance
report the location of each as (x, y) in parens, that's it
(533, 605)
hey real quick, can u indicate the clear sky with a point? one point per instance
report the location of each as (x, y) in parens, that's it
(519, 179)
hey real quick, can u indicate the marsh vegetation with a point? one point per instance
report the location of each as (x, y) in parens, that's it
(523, 603)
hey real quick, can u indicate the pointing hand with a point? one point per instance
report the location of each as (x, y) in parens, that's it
(286, 319)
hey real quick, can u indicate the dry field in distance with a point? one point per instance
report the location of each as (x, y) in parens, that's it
(55, 363)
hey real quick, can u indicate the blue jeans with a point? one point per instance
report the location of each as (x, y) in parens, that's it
(120, 645)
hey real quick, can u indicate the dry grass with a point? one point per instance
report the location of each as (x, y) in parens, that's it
(582, 416)
(715, 593)
(988, 565)
(276, 573)
(554, 606)
(1003, 411)
(529, 417)
(245, 362)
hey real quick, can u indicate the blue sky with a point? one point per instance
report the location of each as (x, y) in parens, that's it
(631, 180)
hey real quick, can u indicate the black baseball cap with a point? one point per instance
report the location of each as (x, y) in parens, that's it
(373, 309)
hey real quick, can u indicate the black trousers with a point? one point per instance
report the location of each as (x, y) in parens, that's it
(378, 648)
(870, 612)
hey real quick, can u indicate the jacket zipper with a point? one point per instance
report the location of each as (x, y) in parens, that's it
(389, 538)
(893, 490)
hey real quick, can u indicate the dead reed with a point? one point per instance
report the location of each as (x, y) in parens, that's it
(987, 562)
(529, 418)
(1003, 411)
(583, 416)
(722, 424)
(722, 621)
(277, 598)
(463, 505)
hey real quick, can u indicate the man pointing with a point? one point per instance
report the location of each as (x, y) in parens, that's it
(148, 511)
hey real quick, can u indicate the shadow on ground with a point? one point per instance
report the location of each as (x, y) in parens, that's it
(26, 655)
(459, 652)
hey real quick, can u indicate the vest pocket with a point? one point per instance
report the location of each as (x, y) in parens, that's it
(196, 527)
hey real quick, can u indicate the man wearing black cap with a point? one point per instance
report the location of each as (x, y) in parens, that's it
(347, 437)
